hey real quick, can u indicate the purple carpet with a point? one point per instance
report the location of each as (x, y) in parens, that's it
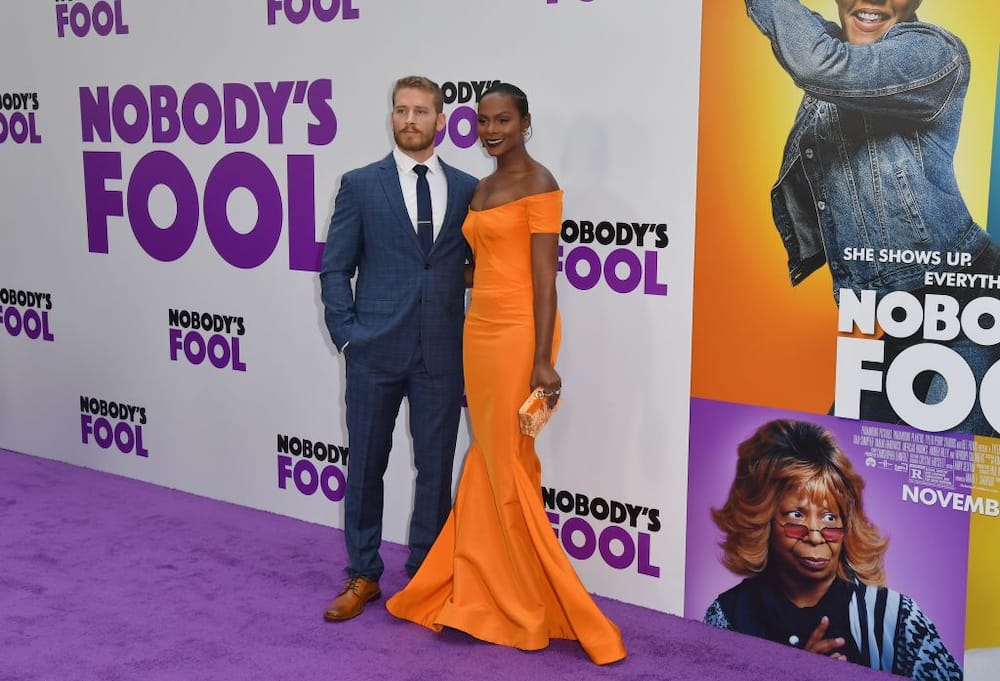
(103, 578)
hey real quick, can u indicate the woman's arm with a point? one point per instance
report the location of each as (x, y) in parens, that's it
(912, 72)
(715, 616)
(920, 652)
(544, 255)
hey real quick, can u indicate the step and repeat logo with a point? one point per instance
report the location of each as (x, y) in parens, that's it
(17, 118)
(111, 424)
(310, 467)
(82, 18)
(232, 114)
(460, 100)
(26, 313)
(195, 337)
(619, 534)
(621, 255)
(300, 11)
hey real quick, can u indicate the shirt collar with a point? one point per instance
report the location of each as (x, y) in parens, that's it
(405, 164)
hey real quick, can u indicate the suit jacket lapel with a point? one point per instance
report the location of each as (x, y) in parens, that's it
(389, 179)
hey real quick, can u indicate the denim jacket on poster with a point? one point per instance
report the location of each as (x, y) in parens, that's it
(869, 161)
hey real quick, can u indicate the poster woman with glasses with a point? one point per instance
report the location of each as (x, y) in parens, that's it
(794, 526)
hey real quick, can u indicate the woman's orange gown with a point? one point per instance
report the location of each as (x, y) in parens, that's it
(497, 570)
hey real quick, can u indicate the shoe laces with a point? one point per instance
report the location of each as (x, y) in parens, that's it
(354, 585)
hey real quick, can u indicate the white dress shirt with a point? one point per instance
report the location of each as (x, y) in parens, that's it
(408, 183)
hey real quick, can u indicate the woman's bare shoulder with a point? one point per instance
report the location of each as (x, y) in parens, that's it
(540, 180)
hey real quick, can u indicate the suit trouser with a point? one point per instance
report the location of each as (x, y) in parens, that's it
(373, 398)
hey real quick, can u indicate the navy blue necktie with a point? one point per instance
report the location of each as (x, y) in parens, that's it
(425, 218)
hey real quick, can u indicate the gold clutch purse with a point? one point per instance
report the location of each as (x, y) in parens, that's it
(535, 413)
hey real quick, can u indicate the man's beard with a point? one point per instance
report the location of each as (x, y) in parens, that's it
(419, 142)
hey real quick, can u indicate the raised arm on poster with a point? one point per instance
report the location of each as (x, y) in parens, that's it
(867, 185)
(794, 525)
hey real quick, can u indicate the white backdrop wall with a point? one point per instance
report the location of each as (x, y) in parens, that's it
(167, 161)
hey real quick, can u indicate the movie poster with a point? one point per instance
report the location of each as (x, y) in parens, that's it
(846, 276)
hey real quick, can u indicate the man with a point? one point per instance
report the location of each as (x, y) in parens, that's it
(397, 225)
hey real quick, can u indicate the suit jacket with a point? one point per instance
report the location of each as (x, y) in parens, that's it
(401, 296)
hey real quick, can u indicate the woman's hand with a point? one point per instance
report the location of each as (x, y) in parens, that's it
(824, 646)
(545, 378)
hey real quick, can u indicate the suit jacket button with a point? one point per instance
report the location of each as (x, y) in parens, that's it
(427, 265)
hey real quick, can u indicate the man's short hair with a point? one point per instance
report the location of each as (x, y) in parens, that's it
(420, 83)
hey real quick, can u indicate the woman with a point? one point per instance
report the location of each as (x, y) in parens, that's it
(794, 525)
(496, 570)
(869, 164)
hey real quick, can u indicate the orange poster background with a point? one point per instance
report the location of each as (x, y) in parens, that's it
(756, 339)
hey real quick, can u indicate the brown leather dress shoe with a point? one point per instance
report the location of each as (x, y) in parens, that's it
(352, 600)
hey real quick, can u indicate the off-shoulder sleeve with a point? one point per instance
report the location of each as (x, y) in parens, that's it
(545, 212)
